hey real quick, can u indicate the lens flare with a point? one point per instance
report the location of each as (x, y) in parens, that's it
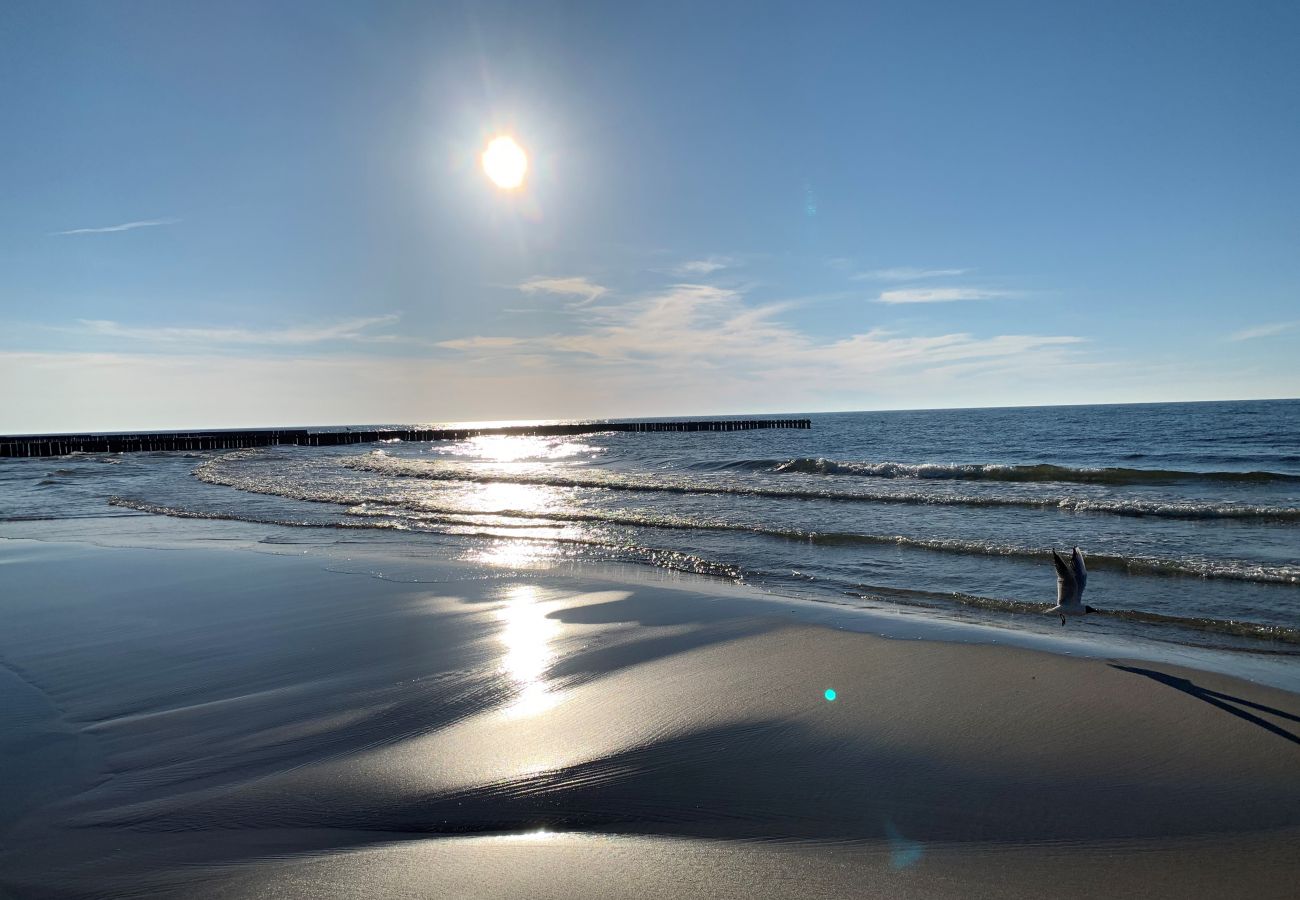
(830, 695)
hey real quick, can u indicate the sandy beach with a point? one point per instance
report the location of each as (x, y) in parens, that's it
(226, 723)
(555, 450)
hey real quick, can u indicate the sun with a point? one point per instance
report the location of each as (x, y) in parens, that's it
(505, 162)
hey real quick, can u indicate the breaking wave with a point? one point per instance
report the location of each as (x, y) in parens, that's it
(379, 513)
(437, 471)
(1032, 473)
(663, 558)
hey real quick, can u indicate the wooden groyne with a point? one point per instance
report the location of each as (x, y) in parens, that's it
(63, 444)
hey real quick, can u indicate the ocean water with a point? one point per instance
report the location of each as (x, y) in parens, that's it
(1188, 514)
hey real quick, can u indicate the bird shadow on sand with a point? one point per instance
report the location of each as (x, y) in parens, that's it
(1226, 702)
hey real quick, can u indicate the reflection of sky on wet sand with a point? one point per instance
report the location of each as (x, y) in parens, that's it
(528, 635)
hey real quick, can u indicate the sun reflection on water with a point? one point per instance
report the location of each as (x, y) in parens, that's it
(501, 496)
(518, 511)
(528, 636)
(501, 448)
(516, 554)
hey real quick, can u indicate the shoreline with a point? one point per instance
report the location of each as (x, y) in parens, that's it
(501, 732)
(391, 553)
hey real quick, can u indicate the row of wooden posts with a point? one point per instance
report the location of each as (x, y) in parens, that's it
(62, 444)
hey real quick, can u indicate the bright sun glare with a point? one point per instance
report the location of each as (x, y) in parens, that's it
(505, 162)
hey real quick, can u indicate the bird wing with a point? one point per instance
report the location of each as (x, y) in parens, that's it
(1067, 589)
(1080, 571)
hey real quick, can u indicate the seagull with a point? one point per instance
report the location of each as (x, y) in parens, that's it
(1070, 580)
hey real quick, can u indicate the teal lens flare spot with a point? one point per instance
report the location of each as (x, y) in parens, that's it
(830, 695)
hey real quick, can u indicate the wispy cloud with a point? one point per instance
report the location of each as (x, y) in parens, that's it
(586, 291)
(125, 226)
(1260, 331)
(938, 295)
(705, 266)
(904, 273)
(690, 328)
(346, 330)
(480, 343)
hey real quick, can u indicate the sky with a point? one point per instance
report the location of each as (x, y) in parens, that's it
(253, 214)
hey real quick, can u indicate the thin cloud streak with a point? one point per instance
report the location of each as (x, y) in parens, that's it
(125, 226)
(1260, 331)
(703, 266)
(587, 291)
(938, 295)
(346, 330)
(904, 273)
(480, 343)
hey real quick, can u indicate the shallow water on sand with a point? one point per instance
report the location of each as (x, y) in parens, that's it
(236, 724)
(1189, 514)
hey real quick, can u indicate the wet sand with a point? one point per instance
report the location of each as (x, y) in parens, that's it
(221, 723)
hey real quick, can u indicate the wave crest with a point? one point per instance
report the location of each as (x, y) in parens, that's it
(438, 471)
(398, 514)
(1020, 473)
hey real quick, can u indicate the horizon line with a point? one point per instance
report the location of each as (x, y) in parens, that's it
(574, 420)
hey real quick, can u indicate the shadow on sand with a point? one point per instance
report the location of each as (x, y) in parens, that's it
(1226, 702)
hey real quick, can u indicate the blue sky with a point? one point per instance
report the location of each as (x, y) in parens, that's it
(254, 214)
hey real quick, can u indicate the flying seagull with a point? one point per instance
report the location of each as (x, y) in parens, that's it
(1070, 580)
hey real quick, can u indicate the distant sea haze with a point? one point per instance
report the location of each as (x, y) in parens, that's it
(1189, 514)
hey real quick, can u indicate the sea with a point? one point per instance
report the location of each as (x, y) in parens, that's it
(1188, 514)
